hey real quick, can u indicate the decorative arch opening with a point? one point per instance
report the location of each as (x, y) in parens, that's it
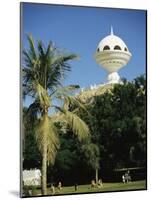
(117, 47)
(98, 49)
(106, 48)
(125, 49)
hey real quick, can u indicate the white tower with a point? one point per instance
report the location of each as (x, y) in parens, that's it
(112, 54)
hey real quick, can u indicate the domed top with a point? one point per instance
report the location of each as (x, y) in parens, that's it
(112, 42)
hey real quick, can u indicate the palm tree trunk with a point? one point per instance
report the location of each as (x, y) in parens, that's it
(44, 170)
(96, 175)
(44, 165)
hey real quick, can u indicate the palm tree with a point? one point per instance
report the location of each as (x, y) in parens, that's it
(43, 71)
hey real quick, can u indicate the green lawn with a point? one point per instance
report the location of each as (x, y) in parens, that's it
(87, 188)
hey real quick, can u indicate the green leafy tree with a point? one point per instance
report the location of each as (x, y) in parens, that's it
(118, 124)
(31, 154)
(92, 156)
(43, 71)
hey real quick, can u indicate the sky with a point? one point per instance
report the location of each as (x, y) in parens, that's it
(79, 30)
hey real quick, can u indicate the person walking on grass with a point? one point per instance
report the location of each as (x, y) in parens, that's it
(123, 178)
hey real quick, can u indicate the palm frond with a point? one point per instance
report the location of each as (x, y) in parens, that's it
(34, 109)
(78, 126)
(32, 47)
(59, 67)
(53, 142)
(41, 48)
(49, 49)
(29, 89)
(46, 65)
(69, 100)
(46, 134)
(58, 117)
(66, 90)
(27, 58)
(43, 96)
(29, 75)
(61, 58)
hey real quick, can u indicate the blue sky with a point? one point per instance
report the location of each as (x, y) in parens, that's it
(79, 29)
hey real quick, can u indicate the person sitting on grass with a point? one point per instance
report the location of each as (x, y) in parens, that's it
(52, 189)
(93, 184)
(127, 177)
(59, 186)
(100, 183)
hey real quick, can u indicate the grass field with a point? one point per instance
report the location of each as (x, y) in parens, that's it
(138, 185)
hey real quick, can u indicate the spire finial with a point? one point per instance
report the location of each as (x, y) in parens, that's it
(112, 31)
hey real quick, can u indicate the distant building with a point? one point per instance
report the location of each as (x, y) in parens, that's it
(32, 177)
(112, 54)
(96, 90)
